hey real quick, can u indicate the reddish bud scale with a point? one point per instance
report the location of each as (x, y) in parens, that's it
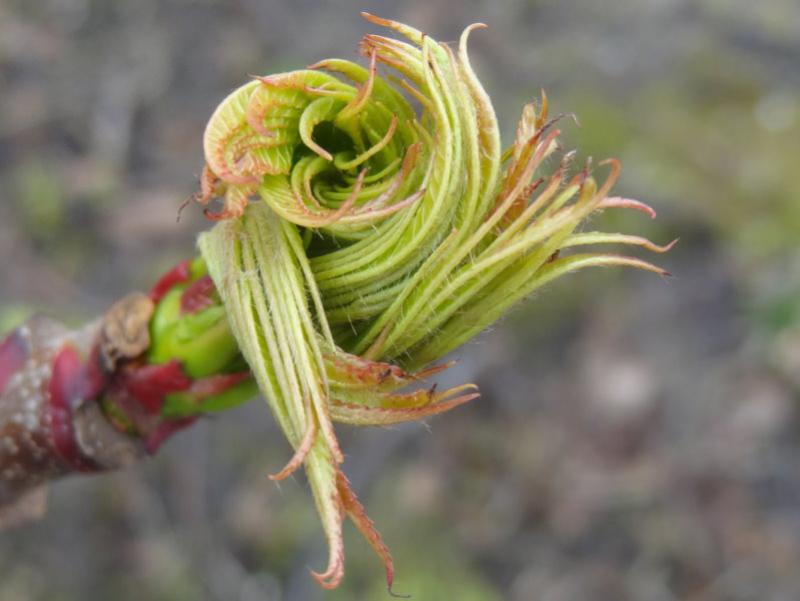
(212, 385)
(150, 384)
(139, 391)
(180, 274)
(72, 383)
(198, 295)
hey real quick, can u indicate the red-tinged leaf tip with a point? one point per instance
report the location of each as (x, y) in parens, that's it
(332, 576)
(652, 246)
(221, 215)
(668, 247)
(353, 413)
(260, 78)
(356, 512)
(658, 248)
(638, 263)
(375, 19)
(433, 370)
(365, 89)
(328, 581)
(300, 454)
(267, 80)
(474, 27)
(319, 64)
(618, 202)
(591, 238)
(615, 168)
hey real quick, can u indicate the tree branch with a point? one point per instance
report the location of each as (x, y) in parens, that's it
(97, 398)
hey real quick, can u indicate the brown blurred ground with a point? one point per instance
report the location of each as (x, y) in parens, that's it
(637, 438)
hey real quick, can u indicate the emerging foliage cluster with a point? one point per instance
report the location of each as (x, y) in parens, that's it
(373, 223)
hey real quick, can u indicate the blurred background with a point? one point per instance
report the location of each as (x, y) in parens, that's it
(637, 438)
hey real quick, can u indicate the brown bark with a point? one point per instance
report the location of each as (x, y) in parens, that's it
(51, 423)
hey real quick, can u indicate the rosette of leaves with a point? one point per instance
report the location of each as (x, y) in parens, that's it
(371, 224)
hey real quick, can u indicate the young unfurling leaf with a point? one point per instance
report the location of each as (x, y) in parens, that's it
(361, 240)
